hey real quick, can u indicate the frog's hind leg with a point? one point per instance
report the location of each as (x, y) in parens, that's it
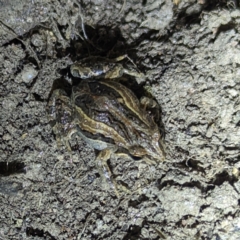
(104, 170)
(133, 73)
(122, 57)
(150, 104)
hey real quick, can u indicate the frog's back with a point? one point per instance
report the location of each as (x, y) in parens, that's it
(109, 114)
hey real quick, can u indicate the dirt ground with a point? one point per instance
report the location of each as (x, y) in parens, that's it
(190, 54)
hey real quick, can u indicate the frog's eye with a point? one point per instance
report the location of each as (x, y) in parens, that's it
(137, 151)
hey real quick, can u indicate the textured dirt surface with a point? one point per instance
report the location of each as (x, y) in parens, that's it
(190, 54)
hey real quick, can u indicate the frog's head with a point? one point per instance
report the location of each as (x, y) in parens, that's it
(150, 147)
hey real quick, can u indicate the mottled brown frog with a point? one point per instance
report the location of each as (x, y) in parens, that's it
(106, 114)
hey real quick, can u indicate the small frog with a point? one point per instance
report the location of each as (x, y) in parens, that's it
(100, 67)
(106, 114)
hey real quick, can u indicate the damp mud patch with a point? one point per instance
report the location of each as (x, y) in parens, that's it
(189, 53)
